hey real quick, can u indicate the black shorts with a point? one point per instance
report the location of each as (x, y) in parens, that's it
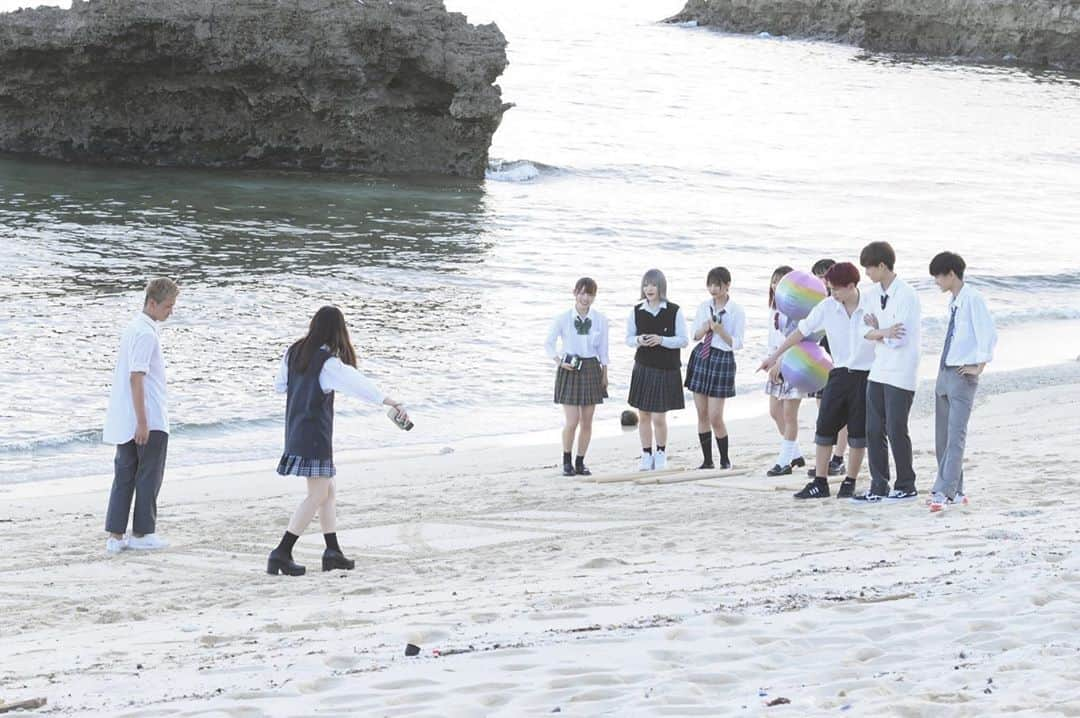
(843, 403)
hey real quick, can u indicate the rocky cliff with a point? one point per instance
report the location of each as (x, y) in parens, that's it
(382, 86)
(1033, 32)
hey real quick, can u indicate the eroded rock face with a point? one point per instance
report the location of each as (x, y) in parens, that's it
(379, 86)
(1033, 32)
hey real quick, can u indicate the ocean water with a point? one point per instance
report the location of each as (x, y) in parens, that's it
(632, 145)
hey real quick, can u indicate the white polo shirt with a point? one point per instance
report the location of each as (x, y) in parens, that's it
(974, 335)
(896, 361)
(847, 335)
(140, 351)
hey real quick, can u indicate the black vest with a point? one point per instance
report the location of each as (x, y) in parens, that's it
(663, 324)
(309, 412)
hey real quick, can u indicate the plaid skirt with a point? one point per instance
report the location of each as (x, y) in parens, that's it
(713, 376)
(656, 390)
(582, 387)
(782, 390)
(312, 468)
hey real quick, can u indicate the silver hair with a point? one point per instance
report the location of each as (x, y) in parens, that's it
(655, 276)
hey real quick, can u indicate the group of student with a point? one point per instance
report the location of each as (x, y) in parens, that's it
(873, 335)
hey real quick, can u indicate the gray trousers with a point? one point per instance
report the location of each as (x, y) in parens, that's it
(887, 410)
(954, 397)
(139, 471)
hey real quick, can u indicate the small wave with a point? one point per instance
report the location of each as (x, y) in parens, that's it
(516, 170)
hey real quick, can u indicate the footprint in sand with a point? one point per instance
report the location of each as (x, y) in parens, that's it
(320, 685)
(603, 563)
(342, 662)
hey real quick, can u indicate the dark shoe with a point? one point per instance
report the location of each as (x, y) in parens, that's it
(283, 564)
(778, 470)
(816, 489)
(332, 559)
(568, 469)
(847, 488)
(707, 465)
(725, 464)
(582, 470)
(899, 495)
(867, 498)
(836, 467)
(799, 461)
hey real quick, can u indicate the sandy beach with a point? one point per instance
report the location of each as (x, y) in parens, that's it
(532, 594)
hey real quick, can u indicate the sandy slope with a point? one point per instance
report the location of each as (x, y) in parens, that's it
(699, 598)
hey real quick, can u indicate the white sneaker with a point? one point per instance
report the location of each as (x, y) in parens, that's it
(646, 462)
(659, 461)
(148, 542)
(115, 545)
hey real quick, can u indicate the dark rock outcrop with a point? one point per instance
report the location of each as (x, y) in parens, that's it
(1042, 33)
(380, 86)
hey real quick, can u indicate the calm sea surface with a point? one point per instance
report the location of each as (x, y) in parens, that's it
(632, 145)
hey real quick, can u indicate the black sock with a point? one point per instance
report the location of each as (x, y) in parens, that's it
(331, 542)
(580, 463)
(660, 448)
(722, 445)
(705, 439)
(647, 451)
(287, 543)
(566, 457)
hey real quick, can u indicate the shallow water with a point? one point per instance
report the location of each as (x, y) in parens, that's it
(632, 144)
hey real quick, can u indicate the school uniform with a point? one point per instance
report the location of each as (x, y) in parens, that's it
(309, 411)
(711, 367)
(585, 337)
(970, 339)
(138, 470)
(843, 401)
(656, 382)
(890, 388)
(780, 328)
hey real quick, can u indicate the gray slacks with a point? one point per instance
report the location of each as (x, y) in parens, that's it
(954, 397)
(887, 410)
(139, 472)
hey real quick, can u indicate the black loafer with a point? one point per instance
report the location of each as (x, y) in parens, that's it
(283, 564)
(798, 462)
(335, 559)
(778, 470)
(725, 464)
(707, 465)
(582, 470)
(568, 470)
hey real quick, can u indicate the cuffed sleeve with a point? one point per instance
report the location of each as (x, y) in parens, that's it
(681, 338)
(985, 333)
(552, 337)
(631, 329)
(738, 329)
(602, 345)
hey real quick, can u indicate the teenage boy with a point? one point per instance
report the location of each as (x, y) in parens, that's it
(836, 463)
(893, 320)
(137, 421)
(843, 402)
(969, 346)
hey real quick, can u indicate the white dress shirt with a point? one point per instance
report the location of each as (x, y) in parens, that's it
(847, 335)
(140, 351)
(591, 345)
(678, 341)
(896, 361)
(336, 375)
(733, 321)
(780, 328)
(974, 335)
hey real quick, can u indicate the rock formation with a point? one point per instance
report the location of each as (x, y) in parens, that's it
(1033, 32)
(382, 86)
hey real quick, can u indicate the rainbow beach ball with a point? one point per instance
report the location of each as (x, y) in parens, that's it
(806, 366)
(799, 292)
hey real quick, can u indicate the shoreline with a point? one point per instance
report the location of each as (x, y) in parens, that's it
(541, 592)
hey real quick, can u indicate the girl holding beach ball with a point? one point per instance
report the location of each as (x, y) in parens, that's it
(784, 398)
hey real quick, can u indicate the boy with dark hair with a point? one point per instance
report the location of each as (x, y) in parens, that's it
(836, 461)
(894, 319)
(843, 402)
(969, 345)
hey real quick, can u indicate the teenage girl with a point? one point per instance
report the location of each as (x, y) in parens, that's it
(312, 370)
(710, 373)
(581, 377)
(784, 399)
(658, 330)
